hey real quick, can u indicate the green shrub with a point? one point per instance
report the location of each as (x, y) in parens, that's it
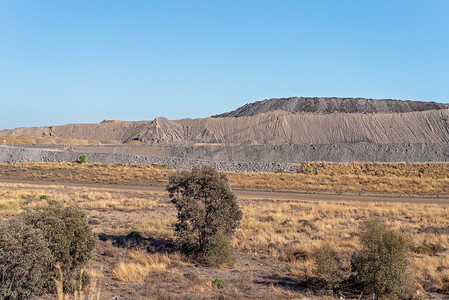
(52, 202)
(219, 283)
(206, 206)
(219, 251)
(135, 235)
(24, 260)
(83, 159)
(328, 268)
(43, 197)
(68, 235)
(381, 265)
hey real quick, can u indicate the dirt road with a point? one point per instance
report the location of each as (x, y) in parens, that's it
(252, 194)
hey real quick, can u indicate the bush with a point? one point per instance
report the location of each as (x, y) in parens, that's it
(206, 207)
(328, 268)
(24, 259)
(68, 235)
(219, 283)
(381, 265)
(83, 159)
(220, 251)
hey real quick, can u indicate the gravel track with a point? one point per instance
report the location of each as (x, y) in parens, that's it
(255, 194)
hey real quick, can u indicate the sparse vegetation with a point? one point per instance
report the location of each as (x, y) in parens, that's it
(381, 265)
(33, 246)
(78, 287)
(24, 259)
(415, 178)
(274, 243)
(328, 268)
(68, 236)
(220, 251)
(139, 265)
(83, 159)
(219, 283)
(208, 213)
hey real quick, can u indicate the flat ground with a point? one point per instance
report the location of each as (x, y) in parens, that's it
(278, 232)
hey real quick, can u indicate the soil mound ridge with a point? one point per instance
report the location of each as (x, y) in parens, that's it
(281, 127)
(322, 105)
(263, 158)
(269, 128)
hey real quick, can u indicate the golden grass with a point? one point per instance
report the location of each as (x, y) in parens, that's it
(284, 231)
(290, 230)
(342, 183)
(14, 198)
(290, 223)
(92, 293)
(414, 178)
(131, 272)
(158, 226)
(139, 265)
(379, 169)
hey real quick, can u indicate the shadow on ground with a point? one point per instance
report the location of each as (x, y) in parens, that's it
(134, 240)
(284, 282)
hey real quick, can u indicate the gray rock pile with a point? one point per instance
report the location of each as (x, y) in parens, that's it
(264, 158)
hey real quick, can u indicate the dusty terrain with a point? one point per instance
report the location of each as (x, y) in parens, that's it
(273, 244)
(321, 202)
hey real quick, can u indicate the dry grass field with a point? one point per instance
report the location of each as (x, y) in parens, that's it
(274, 242)
(392, 178)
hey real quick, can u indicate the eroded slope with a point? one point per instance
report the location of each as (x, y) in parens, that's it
(269, 128)
(322, 105)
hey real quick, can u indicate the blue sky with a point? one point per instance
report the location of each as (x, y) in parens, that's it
(85, 61)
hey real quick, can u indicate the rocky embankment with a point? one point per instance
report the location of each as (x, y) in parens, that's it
(274, 127)
(251, 138)
(20, 155)
(263, 158)
(298, 153)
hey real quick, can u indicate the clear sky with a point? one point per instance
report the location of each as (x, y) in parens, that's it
(84, 61)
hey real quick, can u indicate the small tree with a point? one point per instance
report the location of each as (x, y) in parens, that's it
(381, 265)
(69, 238)
(328, 268)
(83, 159)
(207, 211)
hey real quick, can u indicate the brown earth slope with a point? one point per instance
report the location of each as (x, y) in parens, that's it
(273, 128)
(281, 127)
